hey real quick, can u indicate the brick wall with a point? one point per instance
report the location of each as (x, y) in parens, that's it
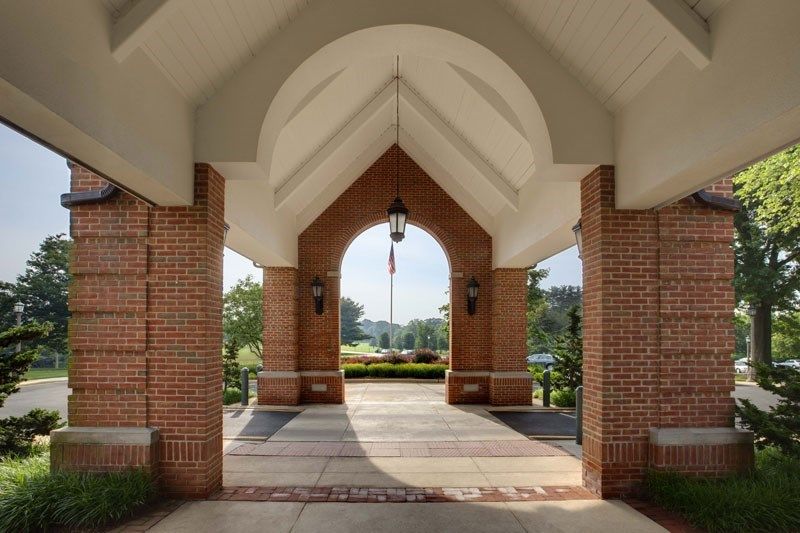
(146, 327)
(658, 306)
(103, 457)
(322, 246)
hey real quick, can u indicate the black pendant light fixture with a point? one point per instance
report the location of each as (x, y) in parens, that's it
(398, 212)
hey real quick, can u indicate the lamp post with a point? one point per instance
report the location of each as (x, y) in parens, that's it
(19, 307)
(751, 312)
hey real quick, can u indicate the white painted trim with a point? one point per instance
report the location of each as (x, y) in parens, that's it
(132, 29)
(685, 27)
(314, 165)
(498, 184)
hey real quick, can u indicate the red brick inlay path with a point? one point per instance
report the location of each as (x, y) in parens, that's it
(401, 495)
(510, 448)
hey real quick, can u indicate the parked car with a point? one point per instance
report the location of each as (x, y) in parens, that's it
(407, 352)
(740, 366)
(545, 360)
(789, 363)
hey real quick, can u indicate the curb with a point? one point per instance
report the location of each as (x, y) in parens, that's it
(40, 381)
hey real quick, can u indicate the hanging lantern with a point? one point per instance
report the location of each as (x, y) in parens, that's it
(397, 212)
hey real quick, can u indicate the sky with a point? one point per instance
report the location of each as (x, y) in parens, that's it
(33, 178)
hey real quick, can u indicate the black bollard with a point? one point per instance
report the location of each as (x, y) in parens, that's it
(245, 386)
(579, 415)
(546, 388)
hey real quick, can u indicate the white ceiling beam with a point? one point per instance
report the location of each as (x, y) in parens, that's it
(684, 27)
(497, 183)
(133, 28)
(315, 164)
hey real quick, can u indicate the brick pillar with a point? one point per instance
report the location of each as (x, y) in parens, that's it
(649, 359)
(279, 382)
(510, 382)
(146, 336)
(184, 375)
(107, 409)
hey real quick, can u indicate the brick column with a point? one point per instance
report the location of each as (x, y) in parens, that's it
(184, 374)
(510, 382)
(146, 335)
(656, 345)
(107, 409)
(279, 382)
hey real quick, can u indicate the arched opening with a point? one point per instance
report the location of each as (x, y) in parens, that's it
(386, 321)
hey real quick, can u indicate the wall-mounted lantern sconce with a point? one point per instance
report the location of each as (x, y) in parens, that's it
(316, 290)
(576, 229)
(225, 230)
(472, 295)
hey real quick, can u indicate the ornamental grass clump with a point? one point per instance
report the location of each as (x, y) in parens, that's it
(33, 499)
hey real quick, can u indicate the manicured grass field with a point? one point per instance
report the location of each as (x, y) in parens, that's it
(248, 359)
(358, 348)
(43, 373)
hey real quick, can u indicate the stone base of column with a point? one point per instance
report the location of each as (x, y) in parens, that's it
(706, 452)
(278, 388)
(466, 387)
(91, 449)
(510, 388)
(322, 386)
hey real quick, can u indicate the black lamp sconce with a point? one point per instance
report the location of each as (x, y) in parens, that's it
(472, 295)
(316, 290)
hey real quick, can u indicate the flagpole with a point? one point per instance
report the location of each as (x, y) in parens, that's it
(391, 309)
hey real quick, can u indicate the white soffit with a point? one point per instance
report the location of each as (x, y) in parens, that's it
(615, 47)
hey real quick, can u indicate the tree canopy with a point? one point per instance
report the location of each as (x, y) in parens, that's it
(350, 313)
(44, 287)
(242, 314)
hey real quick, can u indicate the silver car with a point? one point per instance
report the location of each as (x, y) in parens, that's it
(545, 360)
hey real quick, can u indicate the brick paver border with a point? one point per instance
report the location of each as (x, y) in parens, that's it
(401, 495)
(510, 448)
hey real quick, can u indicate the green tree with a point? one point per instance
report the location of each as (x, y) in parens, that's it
(425, 337)
(786, 336)
(568, 352)
(444, 310)
(242, 314)
(767, 243)
(231, 373)
(17, 433)
(7, 300)
(384, 340)
(350, 313)
(44, 287)
(409, 340)
(538, 340)
(780, 426)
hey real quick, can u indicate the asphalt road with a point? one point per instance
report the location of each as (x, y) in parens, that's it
(51, 395)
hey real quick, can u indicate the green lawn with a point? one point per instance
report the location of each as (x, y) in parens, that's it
(358, 348)
(42, 373)
(248, 359)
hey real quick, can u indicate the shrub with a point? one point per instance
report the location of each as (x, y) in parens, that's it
(538, 393)
(563, 398)
(767, 499)
(425, 356)
(389, 370)
(780, 426)
(33, 499)
(396, 359)
(232, 395)
(355, 370)
(231, 372)
(18, 432)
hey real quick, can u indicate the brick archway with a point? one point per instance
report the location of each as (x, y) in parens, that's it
(312, 373)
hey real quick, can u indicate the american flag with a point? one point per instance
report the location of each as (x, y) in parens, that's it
(391, 265)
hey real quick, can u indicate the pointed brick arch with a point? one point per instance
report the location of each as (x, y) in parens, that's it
(321, 247)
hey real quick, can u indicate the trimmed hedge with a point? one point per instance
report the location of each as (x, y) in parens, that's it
(388, 370)
(563, 398)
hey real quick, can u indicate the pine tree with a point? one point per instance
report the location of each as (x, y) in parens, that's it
(568, 352)
(231, 372)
